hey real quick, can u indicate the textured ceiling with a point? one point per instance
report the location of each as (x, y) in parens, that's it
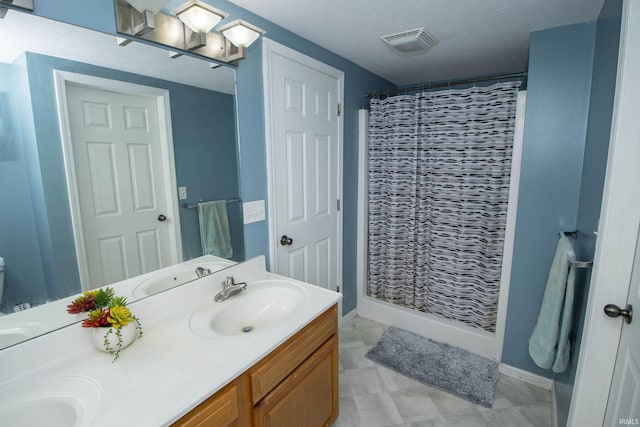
(475, 37)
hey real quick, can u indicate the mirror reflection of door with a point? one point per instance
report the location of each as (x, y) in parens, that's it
(123, 223)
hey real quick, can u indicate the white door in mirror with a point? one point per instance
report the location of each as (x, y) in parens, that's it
(116, 150)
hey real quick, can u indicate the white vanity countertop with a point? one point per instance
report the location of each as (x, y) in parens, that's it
(170, 370)
(53, 315)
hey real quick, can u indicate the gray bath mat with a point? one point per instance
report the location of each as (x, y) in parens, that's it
(448, 368)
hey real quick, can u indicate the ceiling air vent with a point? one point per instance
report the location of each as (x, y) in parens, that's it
(410, 41)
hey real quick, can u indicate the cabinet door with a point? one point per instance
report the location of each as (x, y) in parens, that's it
(306, 398)
(275, 367)
(228, 407)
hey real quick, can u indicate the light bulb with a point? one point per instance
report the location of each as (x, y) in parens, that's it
(199, 16)
(241, 33)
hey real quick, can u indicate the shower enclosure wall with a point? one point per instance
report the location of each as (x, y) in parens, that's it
(483, 337)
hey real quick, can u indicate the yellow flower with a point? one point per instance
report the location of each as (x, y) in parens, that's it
(119, 316)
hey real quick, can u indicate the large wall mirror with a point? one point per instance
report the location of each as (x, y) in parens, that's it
(187, 104)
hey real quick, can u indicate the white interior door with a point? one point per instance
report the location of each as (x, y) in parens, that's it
(624, 398)
(303, 98)
(117, 159)
(607, 380)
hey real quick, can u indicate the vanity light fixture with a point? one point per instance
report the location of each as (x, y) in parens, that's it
(191, 29)
(241, 33)
(150, 5)
(200, 18)
(147, 10)
(22, 4)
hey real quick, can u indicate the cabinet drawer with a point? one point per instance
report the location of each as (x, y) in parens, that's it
(270, 371)
(220, 410)
(306, 398)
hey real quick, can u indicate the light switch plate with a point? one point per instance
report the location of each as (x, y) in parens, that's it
(253, 211)
(182, 193)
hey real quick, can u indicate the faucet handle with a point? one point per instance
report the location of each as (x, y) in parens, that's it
(201, 271)
(229, 281)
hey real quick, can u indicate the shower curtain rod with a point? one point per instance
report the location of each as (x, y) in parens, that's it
(443, 84)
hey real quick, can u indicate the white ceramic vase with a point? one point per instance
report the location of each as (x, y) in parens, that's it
(128, 334)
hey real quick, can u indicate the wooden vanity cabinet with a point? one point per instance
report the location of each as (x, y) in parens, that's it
(307, 397)
(296, 385)
(230, 406)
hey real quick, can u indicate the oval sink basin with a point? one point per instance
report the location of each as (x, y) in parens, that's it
(16, 332)
(174, 277)
(66, 401)
(264, 304)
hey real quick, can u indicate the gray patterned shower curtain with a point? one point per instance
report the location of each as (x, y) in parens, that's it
(439, 168)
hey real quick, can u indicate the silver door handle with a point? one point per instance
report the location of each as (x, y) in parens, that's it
(614, 311)
(286, 241)
(162, 218)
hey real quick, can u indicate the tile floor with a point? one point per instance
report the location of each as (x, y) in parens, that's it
(372, 395)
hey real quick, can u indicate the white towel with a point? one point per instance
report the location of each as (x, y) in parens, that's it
(549, 345)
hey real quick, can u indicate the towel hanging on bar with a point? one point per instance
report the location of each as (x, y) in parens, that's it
(214, 229)
(573, 262)
(549, 344)
(188, 206)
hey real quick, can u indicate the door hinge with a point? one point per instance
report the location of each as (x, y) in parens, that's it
(338, 289)
(338, 205)
(339, 109)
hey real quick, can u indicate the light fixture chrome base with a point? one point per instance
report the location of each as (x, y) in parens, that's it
(22, 4)
(171, 32)
(194, 40)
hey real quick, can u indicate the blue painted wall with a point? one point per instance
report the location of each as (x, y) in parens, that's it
(205, 157)
(99, 15)
(559, 85)
(24, 273)
(358, 82)
(592, 183)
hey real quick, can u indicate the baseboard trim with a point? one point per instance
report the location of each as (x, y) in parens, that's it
(554, 406)
(525, 376)
(350, 315)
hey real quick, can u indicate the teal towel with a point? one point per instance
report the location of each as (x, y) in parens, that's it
(549, 344)
(214, 229)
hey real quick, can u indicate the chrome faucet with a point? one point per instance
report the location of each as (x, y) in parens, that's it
(201, 272)
(229, 289)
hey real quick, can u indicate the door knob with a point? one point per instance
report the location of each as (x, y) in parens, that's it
(162, 218)
(286, 241)
(614, 311)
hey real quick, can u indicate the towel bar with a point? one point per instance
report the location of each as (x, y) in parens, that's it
(572, 233)
(572, 262)
(581, 264)
(186, 206)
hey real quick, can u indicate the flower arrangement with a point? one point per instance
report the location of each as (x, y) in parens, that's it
(106, 310)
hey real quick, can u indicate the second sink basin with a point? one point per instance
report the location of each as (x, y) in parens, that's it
(174, 277)
(65, 401)
(15, 332)
(262, 305)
